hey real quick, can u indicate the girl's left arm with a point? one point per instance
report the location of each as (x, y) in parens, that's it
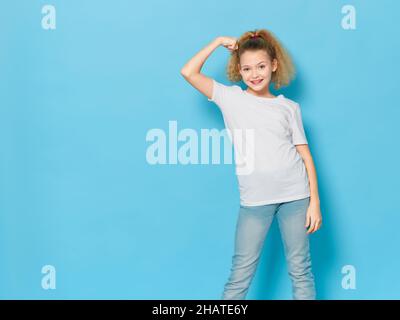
(314, 219)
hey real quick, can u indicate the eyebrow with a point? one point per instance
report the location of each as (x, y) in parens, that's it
(246, 65)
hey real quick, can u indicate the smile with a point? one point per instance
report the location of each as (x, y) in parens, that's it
(257, 82)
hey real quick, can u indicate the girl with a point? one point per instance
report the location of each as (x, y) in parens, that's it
(282, 181)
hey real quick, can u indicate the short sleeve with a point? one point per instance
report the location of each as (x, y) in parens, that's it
(218, 93)
(298, 134)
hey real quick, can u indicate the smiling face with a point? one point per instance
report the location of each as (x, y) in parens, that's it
(256, 68)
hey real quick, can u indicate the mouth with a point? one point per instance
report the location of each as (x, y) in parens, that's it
(257, 82)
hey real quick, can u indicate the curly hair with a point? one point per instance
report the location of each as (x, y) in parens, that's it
(264, 40)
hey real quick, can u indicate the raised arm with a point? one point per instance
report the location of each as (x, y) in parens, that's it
(191, 71)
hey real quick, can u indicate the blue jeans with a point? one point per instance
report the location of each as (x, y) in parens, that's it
(251, 229)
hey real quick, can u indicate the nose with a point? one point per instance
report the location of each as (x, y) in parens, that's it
(254, 74)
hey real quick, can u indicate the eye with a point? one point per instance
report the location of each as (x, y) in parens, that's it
(245, 69)
(262, 66)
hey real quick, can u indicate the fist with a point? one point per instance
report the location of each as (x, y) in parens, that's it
(229, 42)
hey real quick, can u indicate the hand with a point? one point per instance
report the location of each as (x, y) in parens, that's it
(313, 218)
(229, 42)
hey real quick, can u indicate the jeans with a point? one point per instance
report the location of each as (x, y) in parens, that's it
(251, 229)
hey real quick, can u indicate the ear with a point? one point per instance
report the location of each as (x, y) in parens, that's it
(274, 65)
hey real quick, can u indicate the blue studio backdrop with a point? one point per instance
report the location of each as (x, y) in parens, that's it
(85, 214)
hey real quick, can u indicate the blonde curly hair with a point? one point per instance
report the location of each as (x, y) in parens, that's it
(264, 40)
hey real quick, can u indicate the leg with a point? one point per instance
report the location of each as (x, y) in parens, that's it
(252, 226)
(291, 218)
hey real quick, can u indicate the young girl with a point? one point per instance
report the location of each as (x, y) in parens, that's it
(282, 181)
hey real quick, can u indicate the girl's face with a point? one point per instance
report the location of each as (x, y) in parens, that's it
(256, 68)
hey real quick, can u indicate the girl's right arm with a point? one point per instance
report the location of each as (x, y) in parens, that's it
(191, 70)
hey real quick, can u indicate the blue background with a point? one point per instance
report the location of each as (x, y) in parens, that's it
(76, 191)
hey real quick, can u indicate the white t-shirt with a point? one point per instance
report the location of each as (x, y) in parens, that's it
(265, 132)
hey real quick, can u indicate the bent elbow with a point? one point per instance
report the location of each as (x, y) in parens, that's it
(184, 73)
